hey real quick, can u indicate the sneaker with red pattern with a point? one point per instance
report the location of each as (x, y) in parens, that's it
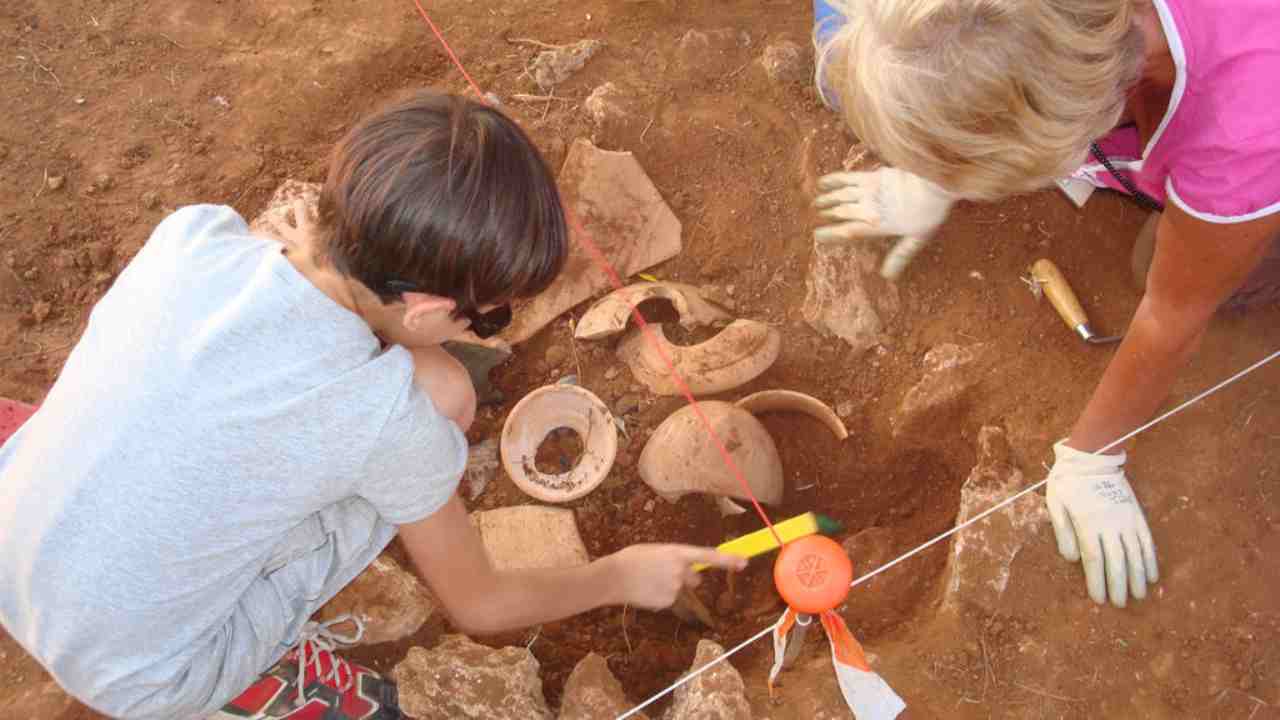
(313, 683)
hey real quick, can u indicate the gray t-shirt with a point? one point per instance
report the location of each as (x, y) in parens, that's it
(216, 401)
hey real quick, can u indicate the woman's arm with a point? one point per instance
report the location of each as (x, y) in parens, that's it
(1197, 265)
(451, 557)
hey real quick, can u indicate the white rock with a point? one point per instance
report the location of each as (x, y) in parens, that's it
(531, 536)
(717, 694)
(552, 67)
(981, 556)
(482, 465)
(785, 62)
(462, 679)
(389, 600)
(845, 295)
(606, 104)
(593, 692)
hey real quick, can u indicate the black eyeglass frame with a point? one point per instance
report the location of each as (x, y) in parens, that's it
(483, 324)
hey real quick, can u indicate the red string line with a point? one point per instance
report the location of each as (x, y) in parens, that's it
(616, 281)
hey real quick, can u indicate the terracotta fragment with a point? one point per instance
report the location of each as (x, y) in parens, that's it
(545, 410)
(737, 355)
(626, 219)
(792, 401)
(527, 537)
(680, 457)
(609, 315)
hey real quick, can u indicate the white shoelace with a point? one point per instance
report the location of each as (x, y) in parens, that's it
(318, 638)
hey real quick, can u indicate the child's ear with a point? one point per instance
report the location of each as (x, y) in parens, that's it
(421, 307)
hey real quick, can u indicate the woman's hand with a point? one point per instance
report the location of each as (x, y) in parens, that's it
(651, 576)
(879, 203)
(1096, 517)
(1197, 265)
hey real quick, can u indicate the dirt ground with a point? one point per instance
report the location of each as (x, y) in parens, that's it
(118, 112)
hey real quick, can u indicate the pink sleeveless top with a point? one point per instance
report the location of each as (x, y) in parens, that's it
(1216, 152)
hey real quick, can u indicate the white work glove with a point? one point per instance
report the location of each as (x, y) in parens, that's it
(1096, 516)
(879, 203)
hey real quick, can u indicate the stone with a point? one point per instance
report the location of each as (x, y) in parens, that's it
(552, 67)
(785, 62)
(623, 214)
(593, 692)
(462, 679)
(950, 372)
(844, 409)
(531, 536)
(715, 53)
(40, 311)
(846, 297)
(981, 556)
(482, 465)
(556, 354)
(280, 207)
(607, 106)
(391, 602)
(717, 694)
(55, 182)
(610, 373)
(151, 200)
(719, 296)
(480, 357)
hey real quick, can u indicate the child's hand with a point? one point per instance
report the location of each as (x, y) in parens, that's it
(651, 576)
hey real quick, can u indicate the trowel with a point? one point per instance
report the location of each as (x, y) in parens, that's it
(1046, 278)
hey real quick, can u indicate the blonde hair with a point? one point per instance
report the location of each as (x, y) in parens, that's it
(984, 97)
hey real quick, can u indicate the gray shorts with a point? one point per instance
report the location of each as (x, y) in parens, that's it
(309, 566)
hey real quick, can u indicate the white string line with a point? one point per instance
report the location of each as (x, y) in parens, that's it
(1037, 486)
(1003, 503)
(695, 673)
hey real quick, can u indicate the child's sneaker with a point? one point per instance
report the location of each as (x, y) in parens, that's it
(333, 689)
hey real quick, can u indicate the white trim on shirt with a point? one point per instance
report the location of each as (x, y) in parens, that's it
(1217, 219)
(1179, 53)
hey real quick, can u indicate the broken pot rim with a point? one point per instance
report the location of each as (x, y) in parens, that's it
(782, 400)
(738, 362)
(611, 314)
(599, 444)
(660, 452)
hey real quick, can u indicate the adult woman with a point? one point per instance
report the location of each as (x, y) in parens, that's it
(980, 99)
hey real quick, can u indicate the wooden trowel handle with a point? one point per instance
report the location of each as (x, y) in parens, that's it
(1063, 298)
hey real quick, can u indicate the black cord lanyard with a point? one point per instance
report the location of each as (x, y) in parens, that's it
(1144, 200)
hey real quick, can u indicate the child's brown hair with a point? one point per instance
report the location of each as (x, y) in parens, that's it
(444, 195)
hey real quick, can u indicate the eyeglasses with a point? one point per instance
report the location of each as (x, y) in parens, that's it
(483, 324)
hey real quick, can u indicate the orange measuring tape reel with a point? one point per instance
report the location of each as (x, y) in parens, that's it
(812, 574)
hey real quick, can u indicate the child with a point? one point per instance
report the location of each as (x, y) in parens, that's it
(245, 426)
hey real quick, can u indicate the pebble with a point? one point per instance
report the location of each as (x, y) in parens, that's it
(55, 182)
(556, 354)
(844, 409)
(40, 311)
(151, 199)
(611, 373)
(101, 255)
(627, 404)
(30, 274)
(648, 506)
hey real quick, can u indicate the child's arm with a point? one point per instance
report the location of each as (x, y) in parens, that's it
(450, 555)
